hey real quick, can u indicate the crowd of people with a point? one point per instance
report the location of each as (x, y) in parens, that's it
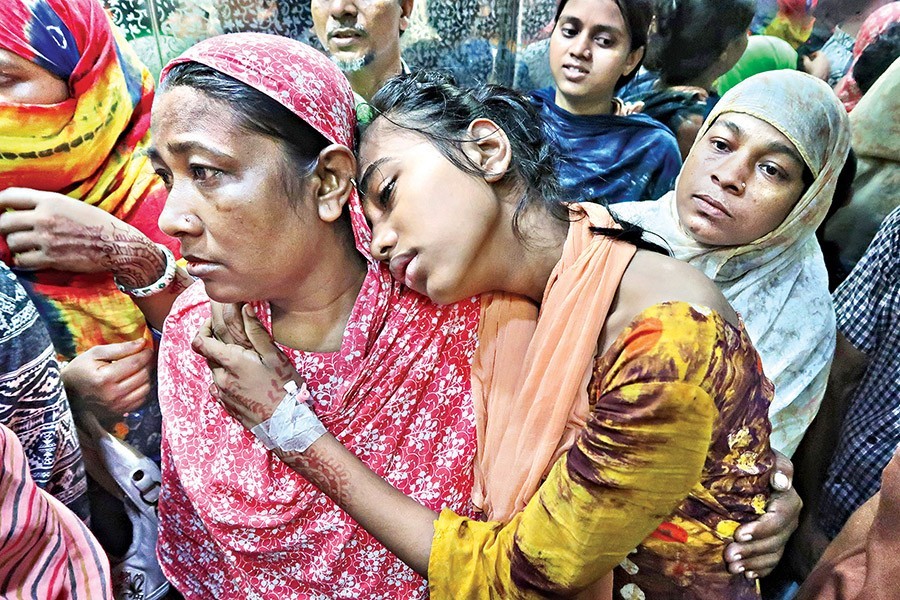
(287, 323)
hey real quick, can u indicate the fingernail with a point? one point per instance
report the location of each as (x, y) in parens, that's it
(741, 569)
(781, 482)
(736, 557)
(750, 575)
(744, 537)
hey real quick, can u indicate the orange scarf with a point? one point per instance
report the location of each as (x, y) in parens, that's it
(529, 412)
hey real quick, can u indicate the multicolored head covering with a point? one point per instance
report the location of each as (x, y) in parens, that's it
(875, 24)
(763, 53)
(793, 21)
(234, 520)
(778, 283)
(90, 147)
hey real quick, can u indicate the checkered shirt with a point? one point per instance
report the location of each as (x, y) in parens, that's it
(868, 314)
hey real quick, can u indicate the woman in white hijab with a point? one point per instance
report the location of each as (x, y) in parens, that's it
(755, 187)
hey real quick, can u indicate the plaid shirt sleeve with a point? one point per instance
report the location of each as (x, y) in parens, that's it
(862, 298)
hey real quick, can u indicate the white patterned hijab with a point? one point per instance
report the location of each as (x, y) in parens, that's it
(778, 282)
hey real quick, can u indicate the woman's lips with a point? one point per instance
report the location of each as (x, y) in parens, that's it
(710, 206)
(574, 73)
(197, 267)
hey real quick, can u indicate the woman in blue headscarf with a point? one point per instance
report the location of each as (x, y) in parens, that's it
(606, 154)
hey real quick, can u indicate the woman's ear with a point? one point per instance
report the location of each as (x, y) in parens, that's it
(406, 8)
(334, 174)
(634, 59)
(489, 148)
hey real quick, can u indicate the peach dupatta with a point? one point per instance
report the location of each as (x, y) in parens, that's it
(529, 412)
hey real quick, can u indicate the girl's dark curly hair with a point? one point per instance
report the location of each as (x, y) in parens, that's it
(431, 104)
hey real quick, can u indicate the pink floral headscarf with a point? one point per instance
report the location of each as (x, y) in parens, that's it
(236, 522)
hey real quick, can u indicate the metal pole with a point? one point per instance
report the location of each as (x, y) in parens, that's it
(157, 32)
(507, 40)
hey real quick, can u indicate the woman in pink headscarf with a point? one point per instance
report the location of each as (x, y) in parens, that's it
(877, 23)
(252, 136)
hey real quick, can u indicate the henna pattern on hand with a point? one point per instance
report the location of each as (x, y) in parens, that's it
(324, 472)
(250, 410)
(132, 258)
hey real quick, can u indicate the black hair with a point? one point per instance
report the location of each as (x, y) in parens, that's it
(843, 194)
(691, 35)
(257, 113)
(843, 189)
(637, 15)
(877, 57)
(431, 104)
(673, 108)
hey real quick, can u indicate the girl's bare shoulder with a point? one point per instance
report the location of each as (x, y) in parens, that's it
(653, 278)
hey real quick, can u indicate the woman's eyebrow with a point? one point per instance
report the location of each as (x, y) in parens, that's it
(782, 148)
(731, 126)
(187, 146)
(364, 180)
(770, 148)
(607, 29)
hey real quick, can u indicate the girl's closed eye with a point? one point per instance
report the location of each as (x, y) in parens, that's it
(165, 176)
(386, 193)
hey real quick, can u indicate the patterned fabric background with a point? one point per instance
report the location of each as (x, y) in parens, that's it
(462, 36)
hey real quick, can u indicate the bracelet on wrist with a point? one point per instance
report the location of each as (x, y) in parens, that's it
(157, 286)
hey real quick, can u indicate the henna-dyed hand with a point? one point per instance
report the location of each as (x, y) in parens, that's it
(249, 382)
(46, 230)
(111, 379)
(760, 544)
(228, 324)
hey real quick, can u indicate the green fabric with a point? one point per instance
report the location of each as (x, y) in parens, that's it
(764, 53)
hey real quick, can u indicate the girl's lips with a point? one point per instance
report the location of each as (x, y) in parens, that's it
(413, 277)
(404, 268)
(199, 268)
(399, 264)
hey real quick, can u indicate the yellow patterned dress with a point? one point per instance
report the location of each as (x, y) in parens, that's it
(674, 457)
